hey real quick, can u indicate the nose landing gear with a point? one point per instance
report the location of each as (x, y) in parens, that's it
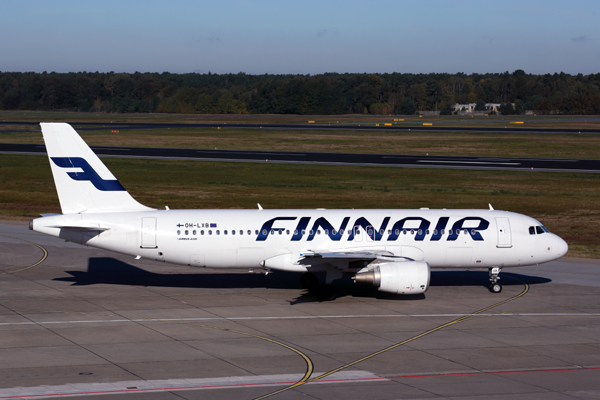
(495, 286)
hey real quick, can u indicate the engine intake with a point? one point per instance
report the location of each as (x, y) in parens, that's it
(409, 277)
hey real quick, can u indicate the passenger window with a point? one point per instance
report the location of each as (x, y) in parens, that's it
(241, 232)
(233, 232)
(532, 230)
(210, 232)
(256, 232)
(539, 230)
(187, 233)
(218, 232)
(194, 233)
(179, 232)
(287, 232)
(225, 232)
(202, 232)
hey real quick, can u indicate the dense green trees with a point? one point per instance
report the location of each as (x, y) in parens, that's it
(328, 93)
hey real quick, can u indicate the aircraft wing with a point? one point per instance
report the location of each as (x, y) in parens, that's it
(347, 255)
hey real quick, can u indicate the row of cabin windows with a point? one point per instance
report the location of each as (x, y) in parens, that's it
(333, 232)
(210, 232)
(537, 229)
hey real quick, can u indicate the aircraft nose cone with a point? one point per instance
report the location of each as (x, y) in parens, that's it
(561, 247)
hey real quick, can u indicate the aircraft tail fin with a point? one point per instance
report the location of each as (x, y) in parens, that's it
(83, 182)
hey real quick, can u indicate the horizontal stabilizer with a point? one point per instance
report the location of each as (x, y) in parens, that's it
(82, 228)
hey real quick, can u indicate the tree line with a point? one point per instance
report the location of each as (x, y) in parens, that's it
(329, 93)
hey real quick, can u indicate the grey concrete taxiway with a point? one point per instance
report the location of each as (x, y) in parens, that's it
(86, 322)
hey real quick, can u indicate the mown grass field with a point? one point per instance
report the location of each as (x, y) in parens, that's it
(432, 143)
(568, 204)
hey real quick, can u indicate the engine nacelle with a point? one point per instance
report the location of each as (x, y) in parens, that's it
(409, 277)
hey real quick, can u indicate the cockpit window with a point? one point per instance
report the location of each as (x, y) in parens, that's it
(532, 230)
(540, 230)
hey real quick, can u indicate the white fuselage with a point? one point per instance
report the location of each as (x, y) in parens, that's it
(277, 238)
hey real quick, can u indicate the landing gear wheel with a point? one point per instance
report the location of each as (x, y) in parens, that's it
(495, 288)
(326, 292)
(309, 281)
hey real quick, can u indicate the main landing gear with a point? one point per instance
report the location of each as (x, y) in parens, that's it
(325, 291)
(495, 287)
(309, 281)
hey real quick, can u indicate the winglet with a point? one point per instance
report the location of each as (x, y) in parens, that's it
(491, 208)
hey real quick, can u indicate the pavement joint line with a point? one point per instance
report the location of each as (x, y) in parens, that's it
(303, 317)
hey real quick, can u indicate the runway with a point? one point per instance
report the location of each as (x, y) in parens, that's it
(388, 160)
(86, 322)
(503, 126)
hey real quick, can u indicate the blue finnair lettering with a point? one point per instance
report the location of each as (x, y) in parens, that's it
(368, 227)
(421, 230)
(474, 232)
(267, 226)
(87, 174)
(329, 229)
(301, 227)
(465, 224)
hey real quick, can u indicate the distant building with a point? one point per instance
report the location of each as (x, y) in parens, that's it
(465, 108)
(469, 108)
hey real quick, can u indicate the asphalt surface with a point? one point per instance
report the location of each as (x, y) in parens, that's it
(409, 126)
(390, 160)
(86, 322)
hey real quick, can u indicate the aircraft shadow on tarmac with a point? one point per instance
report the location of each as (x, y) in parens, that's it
(110, 271)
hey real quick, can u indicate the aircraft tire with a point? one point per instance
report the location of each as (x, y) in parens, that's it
(309, 281)
(326, 292)
(495, 288)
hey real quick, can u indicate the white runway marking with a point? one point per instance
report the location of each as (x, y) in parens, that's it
(231, 382)
(296, 317)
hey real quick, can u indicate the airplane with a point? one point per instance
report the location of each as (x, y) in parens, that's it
(392, 250)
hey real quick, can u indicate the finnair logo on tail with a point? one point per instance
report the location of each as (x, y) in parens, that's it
(87, 174)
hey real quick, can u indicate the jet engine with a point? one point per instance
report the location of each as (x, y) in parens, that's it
(408, 277)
